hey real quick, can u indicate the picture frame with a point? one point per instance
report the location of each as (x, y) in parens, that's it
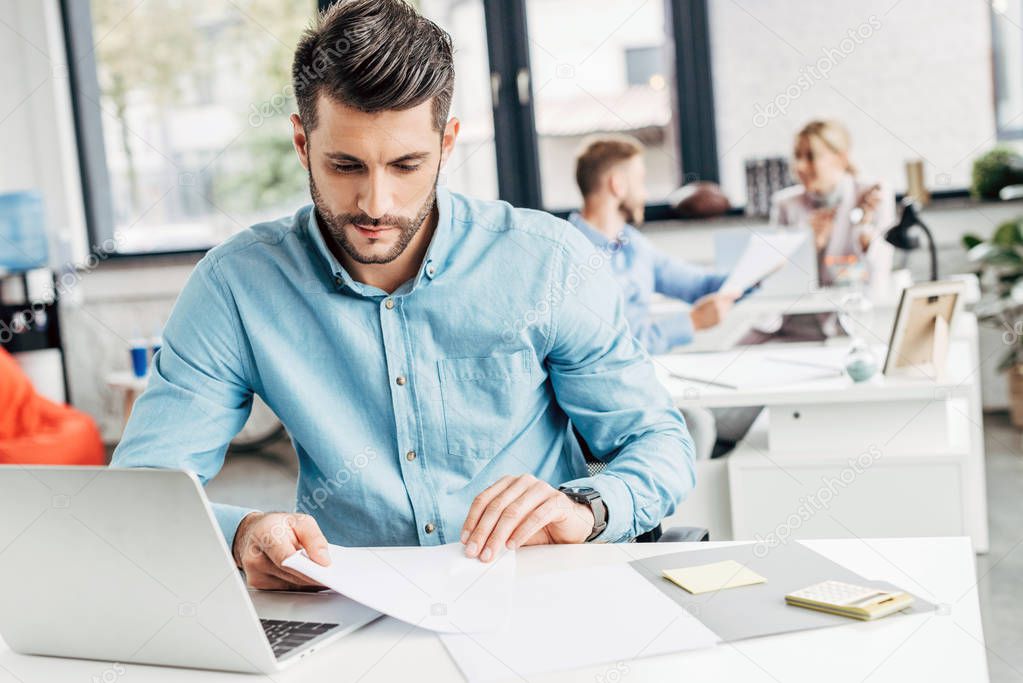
(918, 346)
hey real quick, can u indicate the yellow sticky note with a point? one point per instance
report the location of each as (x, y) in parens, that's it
(715, 576)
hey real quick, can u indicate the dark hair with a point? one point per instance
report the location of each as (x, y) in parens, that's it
(598, 155)
(373, 55)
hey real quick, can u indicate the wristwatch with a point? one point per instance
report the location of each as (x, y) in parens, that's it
(591, 497)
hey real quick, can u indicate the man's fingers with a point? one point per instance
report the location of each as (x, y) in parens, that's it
(487, 521)
(309, 536)
(480, 503)
(282, 549)
(269, 581)
(295, 577)
(265, 566)
(512, 516)
(534, 522)
(283, 545)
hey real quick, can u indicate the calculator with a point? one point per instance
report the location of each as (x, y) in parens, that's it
(849, 600)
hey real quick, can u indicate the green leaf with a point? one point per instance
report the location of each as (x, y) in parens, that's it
(1008, 235)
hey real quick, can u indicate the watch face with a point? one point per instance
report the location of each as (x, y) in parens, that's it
(581, 490)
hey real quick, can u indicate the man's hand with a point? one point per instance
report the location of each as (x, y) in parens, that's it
(823, 222)
(711, 309)
(523, 510)
(265, 539)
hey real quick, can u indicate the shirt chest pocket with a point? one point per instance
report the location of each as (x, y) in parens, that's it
(484, 400)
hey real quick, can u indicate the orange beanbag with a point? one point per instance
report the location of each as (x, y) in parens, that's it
(37, 431)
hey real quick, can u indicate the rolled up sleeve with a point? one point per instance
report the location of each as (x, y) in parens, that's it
(605, 382)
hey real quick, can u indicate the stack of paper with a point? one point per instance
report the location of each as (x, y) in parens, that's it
(568, 619)
(560, 620)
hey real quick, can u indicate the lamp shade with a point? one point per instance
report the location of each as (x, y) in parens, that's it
(899, 235)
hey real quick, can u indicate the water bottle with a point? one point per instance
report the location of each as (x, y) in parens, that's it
(23, 243)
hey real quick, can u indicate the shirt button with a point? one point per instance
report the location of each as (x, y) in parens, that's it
(430, 270)
(338, 280)
(389, 304)
(429, 527)
(400, 379)
(410, 456)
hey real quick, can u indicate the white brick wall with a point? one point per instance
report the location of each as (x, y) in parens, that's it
(919, 86)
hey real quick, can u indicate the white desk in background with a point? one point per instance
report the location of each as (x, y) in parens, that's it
(748, 312)
(922, 441)
(758, 307)
(946, 645)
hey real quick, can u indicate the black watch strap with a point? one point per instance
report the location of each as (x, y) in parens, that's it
(589, 496)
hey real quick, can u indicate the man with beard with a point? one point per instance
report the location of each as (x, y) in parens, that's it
(611, 176)
(428, 353)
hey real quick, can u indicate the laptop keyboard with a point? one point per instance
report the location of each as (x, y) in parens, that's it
(285, 636)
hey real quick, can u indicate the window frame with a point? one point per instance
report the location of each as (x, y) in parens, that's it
(515, 137)
(997, 77)
(517, 141)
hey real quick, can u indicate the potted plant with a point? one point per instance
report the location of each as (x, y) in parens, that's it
(999, 263)
(994, 170)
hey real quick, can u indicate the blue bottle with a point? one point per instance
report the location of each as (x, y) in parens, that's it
(23, 244)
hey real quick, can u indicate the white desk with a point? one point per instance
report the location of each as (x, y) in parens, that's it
(748, 312)
(947, 645)
(928, 434)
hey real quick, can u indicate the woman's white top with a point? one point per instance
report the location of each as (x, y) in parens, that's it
(793, 206)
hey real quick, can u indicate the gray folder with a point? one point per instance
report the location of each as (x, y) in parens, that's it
(760, 609)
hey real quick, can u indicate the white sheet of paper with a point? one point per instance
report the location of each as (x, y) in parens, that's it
(742, 370)
(764, 254)
(573, 618)
(435, 587)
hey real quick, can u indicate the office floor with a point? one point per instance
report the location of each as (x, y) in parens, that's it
(266, 479)
(1000, 572)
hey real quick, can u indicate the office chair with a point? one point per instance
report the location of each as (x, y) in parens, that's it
(657, 534)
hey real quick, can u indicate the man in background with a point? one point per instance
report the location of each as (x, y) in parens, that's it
(611, 177)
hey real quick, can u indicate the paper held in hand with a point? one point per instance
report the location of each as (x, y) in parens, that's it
(437, 588)
(764, 255)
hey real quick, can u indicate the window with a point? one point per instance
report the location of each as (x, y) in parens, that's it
(645, 66)
(192, 99)
(472, 168)
(600, 68)
(871, 64)
(181, 107)
(1007, 45)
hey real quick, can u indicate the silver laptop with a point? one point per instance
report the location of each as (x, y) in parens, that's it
(129, 565)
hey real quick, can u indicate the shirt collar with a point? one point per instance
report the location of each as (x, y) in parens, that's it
(598, 238)
(433, 263)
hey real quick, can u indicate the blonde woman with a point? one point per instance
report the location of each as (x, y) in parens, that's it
(847, 213)
(849, 216)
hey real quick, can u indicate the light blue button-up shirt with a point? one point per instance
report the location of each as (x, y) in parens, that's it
(403, 407)
(642, 270)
